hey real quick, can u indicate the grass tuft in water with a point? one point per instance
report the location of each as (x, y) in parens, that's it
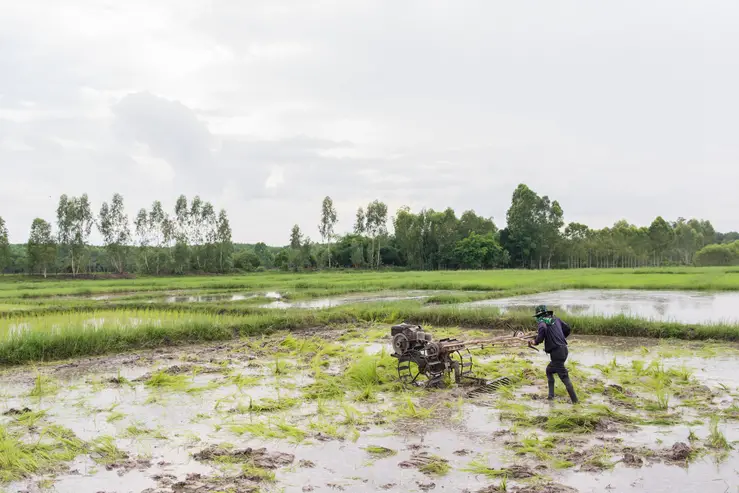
(104, 451)
(533, 445)
(380, 452)
(583, 421)
(21, 459)
(241, 381)
(480, 466)
(436, 466)
(137, 430)
(409, 410)
(256, 473)
(163, 380)
(716, 439)
(43, 386)
(279, 430)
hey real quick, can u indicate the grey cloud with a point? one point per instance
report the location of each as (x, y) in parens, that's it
(613, 111)
(170, 129)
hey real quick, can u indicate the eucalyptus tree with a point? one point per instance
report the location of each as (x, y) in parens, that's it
(144, 238)
(164, 232)
(116, 231)
(327, 225)
(181, 220)
(181, 235)
(296, 237)
(205, 226)
(376, 227)
(74, 224)
(4, 246)
(224, 246)
(360, 222)
(41, 247)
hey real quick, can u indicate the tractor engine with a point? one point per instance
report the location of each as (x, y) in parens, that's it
(407, 337)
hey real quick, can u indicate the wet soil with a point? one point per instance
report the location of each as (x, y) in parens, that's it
(234, 417)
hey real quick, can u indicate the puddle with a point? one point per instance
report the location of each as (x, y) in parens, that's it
(208, 298)
(688, 307)
(703, 476)
(345, 300)
(330, 302)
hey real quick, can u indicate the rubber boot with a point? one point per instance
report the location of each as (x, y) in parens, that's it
(550, 380)
(570, 389)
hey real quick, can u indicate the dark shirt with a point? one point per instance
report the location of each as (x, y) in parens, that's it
(554, 332)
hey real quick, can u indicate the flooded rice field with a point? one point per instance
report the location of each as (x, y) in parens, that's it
(686, 307)
(322, 410)
(679, 306)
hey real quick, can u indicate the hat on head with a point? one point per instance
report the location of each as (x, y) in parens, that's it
(541, 310)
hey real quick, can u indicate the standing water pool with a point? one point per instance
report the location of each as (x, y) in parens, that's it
(689, 307)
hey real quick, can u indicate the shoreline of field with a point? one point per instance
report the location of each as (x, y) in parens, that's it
(146, 327)
(344, 282)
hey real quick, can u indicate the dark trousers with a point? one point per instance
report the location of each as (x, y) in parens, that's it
(557, 366)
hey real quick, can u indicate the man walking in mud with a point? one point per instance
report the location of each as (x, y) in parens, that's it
(553, 331)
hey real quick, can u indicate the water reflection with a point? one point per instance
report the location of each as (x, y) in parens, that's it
(678, 306)
(331, 302)
(207, 298)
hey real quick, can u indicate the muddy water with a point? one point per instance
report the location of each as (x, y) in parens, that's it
(714, 364)
(190, 421)
(209, 298)
(679, 306)
(331, 302)
(361, 298)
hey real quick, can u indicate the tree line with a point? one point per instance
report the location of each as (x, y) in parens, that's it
(194, 238)
(536, 236)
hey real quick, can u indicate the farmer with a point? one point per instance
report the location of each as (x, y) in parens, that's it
(554, 332)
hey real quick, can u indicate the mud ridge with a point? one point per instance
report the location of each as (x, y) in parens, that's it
(259, 457)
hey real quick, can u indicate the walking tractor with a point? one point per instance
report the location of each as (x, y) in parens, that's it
(425, 362)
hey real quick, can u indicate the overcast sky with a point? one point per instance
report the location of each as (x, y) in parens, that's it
(616, 109)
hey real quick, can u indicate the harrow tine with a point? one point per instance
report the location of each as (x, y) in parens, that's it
(489, 387)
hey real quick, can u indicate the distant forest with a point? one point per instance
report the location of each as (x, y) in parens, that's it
(195, 238)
